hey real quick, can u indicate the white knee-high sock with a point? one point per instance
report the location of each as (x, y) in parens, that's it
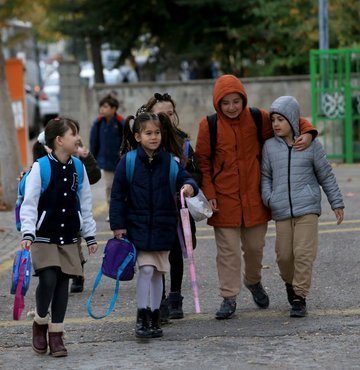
(143, 285)
(156, 290)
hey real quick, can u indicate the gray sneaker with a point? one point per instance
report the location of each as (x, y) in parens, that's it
(259, 294)
(227, 309)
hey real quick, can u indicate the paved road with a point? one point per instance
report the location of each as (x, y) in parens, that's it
(255, 339)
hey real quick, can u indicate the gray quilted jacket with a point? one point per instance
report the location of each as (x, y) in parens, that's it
(290, 179)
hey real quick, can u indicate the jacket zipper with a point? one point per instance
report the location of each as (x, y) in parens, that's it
(151, 206)
(289, 186)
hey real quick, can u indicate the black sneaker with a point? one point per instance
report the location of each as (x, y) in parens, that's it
(175, 305)
(298, 307)
(77, 285)
(227, 309)
(164, 311)
(290, 292)
(260, 297)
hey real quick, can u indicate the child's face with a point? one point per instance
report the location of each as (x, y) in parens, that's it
(68, 143)
(231, 105)
(281, 126)
(149, 137)
(107, 111)
(165, 107)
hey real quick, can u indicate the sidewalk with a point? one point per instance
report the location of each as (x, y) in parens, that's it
(253, 339)
(9, 236)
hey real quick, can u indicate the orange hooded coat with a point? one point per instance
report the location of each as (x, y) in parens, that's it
(233, 178)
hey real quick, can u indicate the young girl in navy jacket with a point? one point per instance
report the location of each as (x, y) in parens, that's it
(145, 210)
(50, 223)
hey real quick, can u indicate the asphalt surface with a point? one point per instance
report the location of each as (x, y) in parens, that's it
(328, 338)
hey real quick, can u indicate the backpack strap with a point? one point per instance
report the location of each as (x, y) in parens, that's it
(130, 165)
(257, 117)
(79, 168)
(212, 122)
(130, 168)
(122, 267)
(45, 172)
(174, 170)
(186, 149)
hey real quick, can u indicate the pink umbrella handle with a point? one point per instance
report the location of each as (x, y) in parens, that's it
(182, 198)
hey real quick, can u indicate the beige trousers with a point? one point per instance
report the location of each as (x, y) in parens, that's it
(235, 245)
(296, 247)
(109, 178)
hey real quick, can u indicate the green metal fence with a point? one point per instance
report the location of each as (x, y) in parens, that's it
(335, 101)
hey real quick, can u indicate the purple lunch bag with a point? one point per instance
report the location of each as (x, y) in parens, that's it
(118, 263)
(115, 253)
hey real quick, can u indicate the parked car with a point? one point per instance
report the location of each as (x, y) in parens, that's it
(33, 113)
(49, 98)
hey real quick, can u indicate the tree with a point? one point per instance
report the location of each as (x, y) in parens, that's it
(9, 153)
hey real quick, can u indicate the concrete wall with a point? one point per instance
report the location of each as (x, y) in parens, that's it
(193, 98)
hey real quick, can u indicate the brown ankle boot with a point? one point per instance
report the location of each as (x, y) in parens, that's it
(56, 344)
(39, 329)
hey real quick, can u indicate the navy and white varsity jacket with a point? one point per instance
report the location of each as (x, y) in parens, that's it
(59, 213)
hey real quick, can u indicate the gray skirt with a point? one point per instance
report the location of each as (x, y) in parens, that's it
(66, 257)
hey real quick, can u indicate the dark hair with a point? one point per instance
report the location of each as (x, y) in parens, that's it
(161, 98)
(170, 141)
(111, 100)
(58, 127)
(38, 151)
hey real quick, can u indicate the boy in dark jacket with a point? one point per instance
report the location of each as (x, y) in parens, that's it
(105, 139)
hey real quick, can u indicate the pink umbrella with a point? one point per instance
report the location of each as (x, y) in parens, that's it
(185, 220)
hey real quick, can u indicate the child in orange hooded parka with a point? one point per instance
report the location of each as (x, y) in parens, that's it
(231, 182)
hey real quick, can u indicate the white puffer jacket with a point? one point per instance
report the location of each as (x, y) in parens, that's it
(291, 179)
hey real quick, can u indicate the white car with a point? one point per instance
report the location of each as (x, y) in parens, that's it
(49, 98)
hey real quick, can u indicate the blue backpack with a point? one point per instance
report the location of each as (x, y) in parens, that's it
(45, 173)
(130, 167)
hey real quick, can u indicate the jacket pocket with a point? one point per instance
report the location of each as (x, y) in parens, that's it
(41, 220)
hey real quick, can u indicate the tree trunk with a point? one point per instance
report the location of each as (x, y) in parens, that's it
(9, 147)
(95, 47)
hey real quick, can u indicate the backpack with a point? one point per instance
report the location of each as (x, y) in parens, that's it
(192, 165)
(130, 167)
(212, 122)
(20, 280)
(118, 263)
(45, 173)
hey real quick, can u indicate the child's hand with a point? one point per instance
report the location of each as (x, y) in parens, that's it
(188, 190)
(302, 142)
(339, 214)
(92, 248)
(118, 234)
(82, 152)
(213, 203)
(25, 244)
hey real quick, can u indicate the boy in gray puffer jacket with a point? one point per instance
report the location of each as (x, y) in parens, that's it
(290, 186)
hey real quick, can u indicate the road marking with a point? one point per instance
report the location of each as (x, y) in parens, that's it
(345, 312)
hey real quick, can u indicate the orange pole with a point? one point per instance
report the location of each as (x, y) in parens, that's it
(15, 78)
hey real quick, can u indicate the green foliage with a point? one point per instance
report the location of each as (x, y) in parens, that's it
(247, 37)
